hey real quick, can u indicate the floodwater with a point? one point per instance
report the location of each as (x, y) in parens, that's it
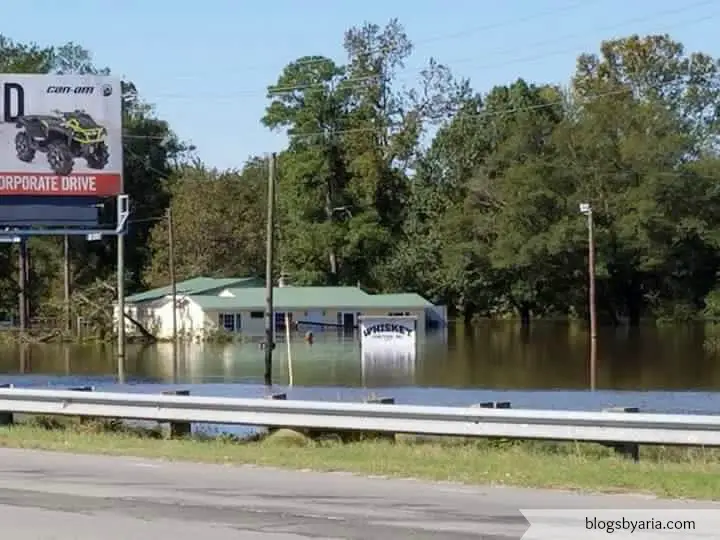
(667, 368)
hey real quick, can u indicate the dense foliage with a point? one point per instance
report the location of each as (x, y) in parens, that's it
(471, 199)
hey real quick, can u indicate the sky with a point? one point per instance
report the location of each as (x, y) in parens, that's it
(205, 66)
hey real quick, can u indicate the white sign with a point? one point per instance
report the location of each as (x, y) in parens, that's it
(388, 334)
(657, 523)
(60, 135)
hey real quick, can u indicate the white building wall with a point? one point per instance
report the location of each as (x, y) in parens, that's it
(156, 317)
(193, 321)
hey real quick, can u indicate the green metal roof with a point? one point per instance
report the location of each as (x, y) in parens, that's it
(196, 285)
(300, 298)
(401, 300)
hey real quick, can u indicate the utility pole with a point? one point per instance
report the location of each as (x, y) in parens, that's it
(121, 307)
(66, 282)
(173, 288)
(270, 251)
(587, 210)
(22, 281)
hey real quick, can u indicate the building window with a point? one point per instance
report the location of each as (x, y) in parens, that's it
(227, 321)
(257, 315)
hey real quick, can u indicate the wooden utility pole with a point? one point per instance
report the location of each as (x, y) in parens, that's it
(269, 254)
(173, 289)
(588, 211)
(66, 282)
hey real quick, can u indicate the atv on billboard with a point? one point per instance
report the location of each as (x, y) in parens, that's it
(60, 135)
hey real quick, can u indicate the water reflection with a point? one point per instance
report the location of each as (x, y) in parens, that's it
(492, 355)
(388, 368)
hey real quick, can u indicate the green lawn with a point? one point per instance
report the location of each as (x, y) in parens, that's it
(681, 473)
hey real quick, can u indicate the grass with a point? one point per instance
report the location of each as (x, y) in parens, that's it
(666, 472)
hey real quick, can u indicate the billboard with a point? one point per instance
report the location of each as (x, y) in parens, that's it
(60, 135)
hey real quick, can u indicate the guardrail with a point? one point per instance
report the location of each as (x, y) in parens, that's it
(602, 427)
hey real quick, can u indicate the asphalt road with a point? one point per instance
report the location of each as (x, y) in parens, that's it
(51, 496)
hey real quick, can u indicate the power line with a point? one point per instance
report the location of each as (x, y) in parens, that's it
(569, 37)
(357, 130)
(497, 25)
(467, 60)
(480, 114)
(451, 36)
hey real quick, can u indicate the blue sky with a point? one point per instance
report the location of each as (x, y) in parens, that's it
(206, 65)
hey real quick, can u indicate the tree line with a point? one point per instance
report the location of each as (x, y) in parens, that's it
(469, 198)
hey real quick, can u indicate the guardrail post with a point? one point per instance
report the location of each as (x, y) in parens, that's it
(6, 418)
(625, 449)
(82, 388)
(381, 401)
(493, 405)
(83, 419)
(281, 396)
(174, 430)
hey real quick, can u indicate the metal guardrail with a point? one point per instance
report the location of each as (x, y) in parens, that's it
(603, 427)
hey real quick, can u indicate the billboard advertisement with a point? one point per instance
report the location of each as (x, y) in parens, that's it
(60, 135)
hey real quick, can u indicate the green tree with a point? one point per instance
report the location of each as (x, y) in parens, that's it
(219, 224)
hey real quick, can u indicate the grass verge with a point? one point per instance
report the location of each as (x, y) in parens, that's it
(666, 472)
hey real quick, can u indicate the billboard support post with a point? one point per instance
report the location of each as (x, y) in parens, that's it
(123, 212)
(22, 285)
(121, 307)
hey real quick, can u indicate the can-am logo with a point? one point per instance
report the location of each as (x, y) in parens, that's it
(85, 90)
(12, 96)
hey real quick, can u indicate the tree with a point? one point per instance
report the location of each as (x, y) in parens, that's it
(646, 113)
(221, 233)
(483, 218)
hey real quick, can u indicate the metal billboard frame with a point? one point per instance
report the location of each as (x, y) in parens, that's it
(19, 236)
(123, 213)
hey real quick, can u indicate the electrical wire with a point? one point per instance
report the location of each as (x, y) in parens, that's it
(481, 114)
(408, 77)
(446, 37)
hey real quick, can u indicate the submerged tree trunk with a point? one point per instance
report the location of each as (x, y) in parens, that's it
(633, 303)
(525, 314)
(469, 311)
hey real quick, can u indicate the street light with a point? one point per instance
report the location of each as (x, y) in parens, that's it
(586, 210)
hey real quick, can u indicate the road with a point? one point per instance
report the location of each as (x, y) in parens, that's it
(53, 496)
